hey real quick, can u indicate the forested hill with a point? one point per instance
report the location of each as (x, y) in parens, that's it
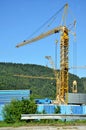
(40, 87)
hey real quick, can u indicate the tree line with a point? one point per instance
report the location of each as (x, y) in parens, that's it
(40, 88)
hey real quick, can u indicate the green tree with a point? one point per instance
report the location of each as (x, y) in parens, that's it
(12, 111)
(28, 106)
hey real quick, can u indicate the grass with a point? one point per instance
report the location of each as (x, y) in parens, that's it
(17, 124)
(43, 122)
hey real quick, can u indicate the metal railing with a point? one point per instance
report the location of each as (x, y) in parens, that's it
(54, 116)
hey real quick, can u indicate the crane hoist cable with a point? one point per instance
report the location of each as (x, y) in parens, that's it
(48, 22)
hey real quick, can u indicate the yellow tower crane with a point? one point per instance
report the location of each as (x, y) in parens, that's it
(56, 77)
(59, 99)
(63, 55)
(64, 46)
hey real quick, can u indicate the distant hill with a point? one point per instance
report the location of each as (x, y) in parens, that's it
(41, 88)
(84, 83)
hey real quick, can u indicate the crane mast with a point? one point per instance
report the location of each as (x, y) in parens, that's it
(64, 45)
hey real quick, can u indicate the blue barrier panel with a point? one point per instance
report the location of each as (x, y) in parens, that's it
(69, 109)
(77, 109)
(7, 95)
(40, 108)
(49, 109)
(1, 108)
(63, 109)
(84, 109)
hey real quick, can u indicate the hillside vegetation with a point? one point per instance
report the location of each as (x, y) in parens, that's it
(41, 88)
(84, 83)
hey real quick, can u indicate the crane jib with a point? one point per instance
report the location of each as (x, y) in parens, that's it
(43, 35)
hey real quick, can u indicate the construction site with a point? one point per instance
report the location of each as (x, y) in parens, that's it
(63, 97)
(62, 88)
(71, 103)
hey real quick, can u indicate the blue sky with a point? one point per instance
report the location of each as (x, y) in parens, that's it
(20, 18)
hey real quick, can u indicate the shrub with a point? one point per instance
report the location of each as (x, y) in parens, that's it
(57, 109)
(12, 111)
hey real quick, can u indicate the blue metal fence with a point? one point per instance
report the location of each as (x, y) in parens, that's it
(65, 109)
(7, 95)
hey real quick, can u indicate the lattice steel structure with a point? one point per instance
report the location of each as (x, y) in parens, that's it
(64, 45)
